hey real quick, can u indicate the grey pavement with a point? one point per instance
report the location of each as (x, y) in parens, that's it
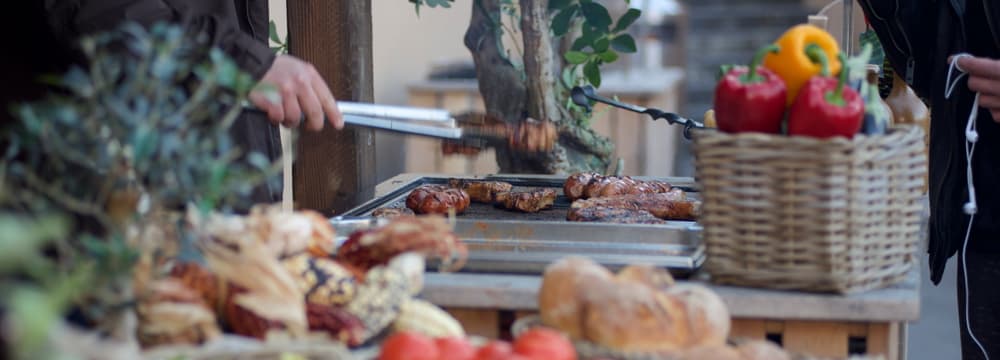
(935, 335)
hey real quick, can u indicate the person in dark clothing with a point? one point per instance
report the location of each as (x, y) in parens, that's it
(47, 32)
(923, 39)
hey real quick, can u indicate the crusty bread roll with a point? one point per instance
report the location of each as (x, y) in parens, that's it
(631, 316)
(655, 277)
(713, 352)
(638, 310)
(561, 295)
(762, 350)
(706, 312)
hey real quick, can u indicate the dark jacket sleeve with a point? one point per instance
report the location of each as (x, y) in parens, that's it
(215, 19)
(906, 30)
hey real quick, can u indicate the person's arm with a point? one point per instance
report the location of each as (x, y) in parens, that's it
(301, 88)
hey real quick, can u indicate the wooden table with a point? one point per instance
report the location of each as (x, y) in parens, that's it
(824, 325)
(817, 324)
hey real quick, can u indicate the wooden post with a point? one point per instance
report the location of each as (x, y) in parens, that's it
(334, 170)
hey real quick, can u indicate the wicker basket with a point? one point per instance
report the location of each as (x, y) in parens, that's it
(817, 215)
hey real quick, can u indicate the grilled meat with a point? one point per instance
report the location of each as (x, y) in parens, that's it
(532, 136)
(672, 205)
(392, 212)
(613, 215)
(437, 199)
(481, 191)
(458, 148)
(526, 136)
(576, 184)
(592, 185)
(526, 201)
(430, 236)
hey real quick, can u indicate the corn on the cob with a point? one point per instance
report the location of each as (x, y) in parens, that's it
(377, 300)
(426, 318)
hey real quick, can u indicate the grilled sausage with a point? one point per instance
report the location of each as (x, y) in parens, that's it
(437, 199)
(591, 185)
(576, 184)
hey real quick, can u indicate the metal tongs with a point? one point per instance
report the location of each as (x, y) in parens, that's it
(408, 120)
(428, 122)
(583, 94)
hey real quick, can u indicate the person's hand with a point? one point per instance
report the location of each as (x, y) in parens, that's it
(984, 78)
(301, 90)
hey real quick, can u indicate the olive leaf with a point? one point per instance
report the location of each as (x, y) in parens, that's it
(593, 73)
(596, 14)
(576, 57)
(627, 19)
(624, 43)
(562, 20)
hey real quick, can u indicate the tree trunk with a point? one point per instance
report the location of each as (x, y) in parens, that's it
(513, 96)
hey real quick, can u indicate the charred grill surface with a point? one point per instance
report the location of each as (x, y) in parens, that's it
(488, 211)
(527, 201)
(613, 215)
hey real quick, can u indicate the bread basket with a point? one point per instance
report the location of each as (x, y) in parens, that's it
(800, 213)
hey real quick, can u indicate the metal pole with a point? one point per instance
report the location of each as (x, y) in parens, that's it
(847, 45)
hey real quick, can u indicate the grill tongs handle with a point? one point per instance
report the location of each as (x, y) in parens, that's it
(408, 120)
(583, 94)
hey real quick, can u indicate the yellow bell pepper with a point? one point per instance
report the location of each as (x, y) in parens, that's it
(791, 62)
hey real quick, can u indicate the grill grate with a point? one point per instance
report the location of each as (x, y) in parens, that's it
(504, 241)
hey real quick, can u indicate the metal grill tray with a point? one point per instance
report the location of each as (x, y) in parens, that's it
(502, 241)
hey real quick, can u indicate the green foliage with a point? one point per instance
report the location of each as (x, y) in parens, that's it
(36, 288)
(149, 115)
(431, 3)
(601, 40)
(868, 37)
(154, 118)
(279, 46)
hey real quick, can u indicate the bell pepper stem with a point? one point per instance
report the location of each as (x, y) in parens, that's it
(817, 55)
(836, 96)
(752, 76)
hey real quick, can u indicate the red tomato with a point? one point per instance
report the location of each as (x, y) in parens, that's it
(454, 348)
(408, 346)
(540, 343)
(495, 350)
(516, 356)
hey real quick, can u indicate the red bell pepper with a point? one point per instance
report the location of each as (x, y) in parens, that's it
(826, 107)
(751, 99)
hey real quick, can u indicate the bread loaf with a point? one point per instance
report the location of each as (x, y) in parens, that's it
(640, 309)
(713, 352)
(707, 314)
(762, 350)
(652, 276)
(631, 316)
(561, 295)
